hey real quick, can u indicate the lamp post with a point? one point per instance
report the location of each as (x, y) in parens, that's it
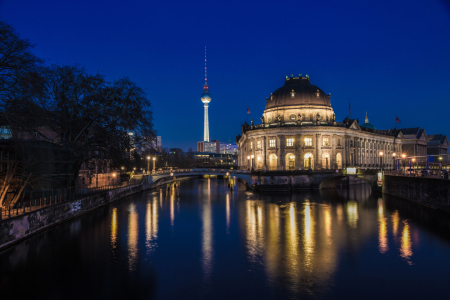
(393, 161)
(248, 161)
(403, 160)
(251, 162)
(148, 165)
(381, 159)
(154, 160)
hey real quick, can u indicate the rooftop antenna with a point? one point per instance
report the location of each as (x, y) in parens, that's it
(206, 74)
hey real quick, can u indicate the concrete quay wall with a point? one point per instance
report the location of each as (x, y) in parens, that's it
(432, 192)
(17, 228)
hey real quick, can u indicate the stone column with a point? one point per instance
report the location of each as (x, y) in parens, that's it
(317, 164)
(264, 153)
(280, 160)
(333, 164)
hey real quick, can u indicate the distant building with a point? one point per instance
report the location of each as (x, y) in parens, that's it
(437, 144)
(215, 160)
(415, 141)
(212, 147)
(228, 148)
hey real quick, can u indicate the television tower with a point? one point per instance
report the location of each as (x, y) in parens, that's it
(206, 98)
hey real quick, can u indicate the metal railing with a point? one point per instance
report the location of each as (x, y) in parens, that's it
(59, 196)
(420, 173)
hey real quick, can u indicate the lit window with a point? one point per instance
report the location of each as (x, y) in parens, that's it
(325, 142)
(258, 144)
(292, 94)
(308, 141)
(271, 143)
(251, 145)
(289, 142)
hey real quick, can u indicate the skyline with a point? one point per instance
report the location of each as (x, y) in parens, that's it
(388, 62)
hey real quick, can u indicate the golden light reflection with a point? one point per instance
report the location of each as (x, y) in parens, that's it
(352, 213)
(207, 242)
(133, 233)
(327, 222)
(339, 213)
(114, 228)
(273, 256)
(292, 246)
(395, 221)
(406, 246)
(151, 225)
(172, 208)
(255, 227)
(228, 212)
(382, 229)
(308, 237)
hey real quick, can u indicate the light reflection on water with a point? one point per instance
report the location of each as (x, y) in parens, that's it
(205, 241)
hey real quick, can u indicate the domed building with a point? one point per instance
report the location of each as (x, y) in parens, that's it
(299, 132)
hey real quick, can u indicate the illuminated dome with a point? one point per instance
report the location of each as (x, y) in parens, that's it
(298, 91)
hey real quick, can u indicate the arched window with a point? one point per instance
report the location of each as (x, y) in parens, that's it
(339, 160)
(272, 162)
(290, 161)
(325, 161)
(309, 161)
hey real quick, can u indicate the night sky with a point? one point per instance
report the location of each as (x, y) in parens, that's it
(389, 57)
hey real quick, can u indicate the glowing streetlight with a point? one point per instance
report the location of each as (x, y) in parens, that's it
(154, 160)
(148, 164)
(381, 159)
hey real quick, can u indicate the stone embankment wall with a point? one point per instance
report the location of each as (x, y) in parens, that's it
(17, 228)
(427, 191)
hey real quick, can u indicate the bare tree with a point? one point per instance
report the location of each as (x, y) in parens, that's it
(16, 58)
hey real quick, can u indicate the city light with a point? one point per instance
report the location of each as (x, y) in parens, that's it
(403, 155)
(381, 153)
(148, 157)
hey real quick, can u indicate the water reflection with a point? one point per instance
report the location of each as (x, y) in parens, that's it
(114, 226)
(207, 228)
(352, 213)
(406, 247)
(133, 234)
(382, 228)
(151, 224)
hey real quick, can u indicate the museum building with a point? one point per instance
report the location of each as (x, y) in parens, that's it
(299, 132)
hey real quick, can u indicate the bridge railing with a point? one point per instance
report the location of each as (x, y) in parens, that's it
(200, 170)
(421, 174)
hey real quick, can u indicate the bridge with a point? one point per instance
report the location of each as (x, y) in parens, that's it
(271, 180)
(161, 177)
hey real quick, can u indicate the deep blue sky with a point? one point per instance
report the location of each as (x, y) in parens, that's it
(390, 57)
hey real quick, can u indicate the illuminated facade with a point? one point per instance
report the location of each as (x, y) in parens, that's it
(299, 132)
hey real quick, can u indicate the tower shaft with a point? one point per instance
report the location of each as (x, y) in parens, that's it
(206, 128)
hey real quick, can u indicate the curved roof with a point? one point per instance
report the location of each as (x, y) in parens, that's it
(298, 91)
(368, 125)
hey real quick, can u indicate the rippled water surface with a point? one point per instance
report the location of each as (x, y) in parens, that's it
(204, 241)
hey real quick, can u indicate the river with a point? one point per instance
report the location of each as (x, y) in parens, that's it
(203, 241)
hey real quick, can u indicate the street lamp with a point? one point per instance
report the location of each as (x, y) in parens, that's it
(404, 165)
(393, 161)
(381, 159)
(248, 161)
(154, 159)
(251, 162)
(148, 164)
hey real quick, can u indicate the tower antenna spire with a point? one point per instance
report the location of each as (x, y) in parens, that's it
(206, 69)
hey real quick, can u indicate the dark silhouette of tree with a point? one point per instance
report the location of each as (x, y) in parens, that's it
(84, 114)
(16, 58)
